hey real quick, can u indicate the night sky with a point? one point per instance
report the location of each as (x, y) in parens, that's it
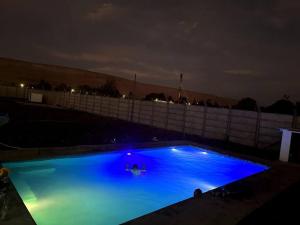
(231, 48)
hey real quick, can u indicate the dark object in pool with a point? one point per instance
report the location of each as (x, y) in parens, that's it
(197, 193)
(135, 167)
(135, 170)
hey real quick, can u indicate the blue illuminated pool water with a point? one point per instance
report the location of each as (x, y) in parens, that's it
(103, 189)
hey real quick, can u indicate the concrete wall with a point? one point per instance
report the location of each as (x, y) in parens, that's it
(238, 126)
(14, 92)
(244, 127)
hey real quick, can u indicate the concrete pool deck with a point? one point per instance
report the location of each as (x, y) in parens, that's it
(211, 208)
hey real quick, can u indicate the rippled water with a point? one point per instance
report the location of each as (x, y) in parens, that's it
(111, 188)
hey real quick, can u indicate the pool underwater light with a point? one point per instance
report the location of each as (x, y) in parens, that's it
(89, 189)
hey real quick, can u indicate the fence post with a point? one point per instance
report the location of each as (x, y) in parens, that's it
(74, 100)
(59, 98)
(184, 119)
(118, 108)
(228, 126)
(204, 119)
(167, 116)
(94, 103)
(24, 92)
(152, 114)
(295, 119)
(128, 109)
(101, 103)
(62, 99)
(86, 102)
(257, 130)
(132, 109)
(66, 100)
(79, 101)
(69, 102)
(6, 91)
(139, 117)
(110, 107)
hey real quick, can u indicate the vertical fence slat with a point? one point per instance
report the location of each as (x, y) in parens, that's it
(257, 130)
(140, 108)
(118, 108)
(295, 119)
(243, 127)
(167, 116)
(228, 125)
(152, 114)
(204, 120)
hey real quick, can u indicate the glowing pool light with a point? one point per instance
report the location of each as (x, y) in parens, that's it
(100, 189)
(174, 150)
(204, 153)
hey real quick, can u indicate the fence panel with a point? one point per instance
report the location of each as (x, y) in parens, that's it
(238, 126)
(243, 127)
(270, 125)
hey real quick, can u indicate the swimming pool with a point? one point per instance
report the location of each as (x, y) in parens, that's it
(114, 187)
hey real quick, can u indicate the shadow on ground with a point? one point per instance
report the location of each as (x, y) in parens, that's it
(39, 126)
(283, 209)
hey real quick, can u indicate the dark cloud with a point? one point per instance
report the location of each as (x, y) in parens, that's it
(233, 48)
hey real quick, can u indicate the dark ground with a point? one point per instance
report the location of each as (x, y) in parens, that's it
(39, 126)
(283, 209)
(34, 126)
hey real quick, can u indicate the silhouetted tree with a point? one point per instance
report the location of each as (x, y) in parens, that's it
(153, 96)
(62, 87)
(209, 103)
(201, 103)
(216, 104)
(43, 85)
(109, 89)
(283, 106)
(298, 108)
(130, 95)
(195, 102)
(170, 99)
(85, 89)
(183, 100)
(246, 104)
(13, 84)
